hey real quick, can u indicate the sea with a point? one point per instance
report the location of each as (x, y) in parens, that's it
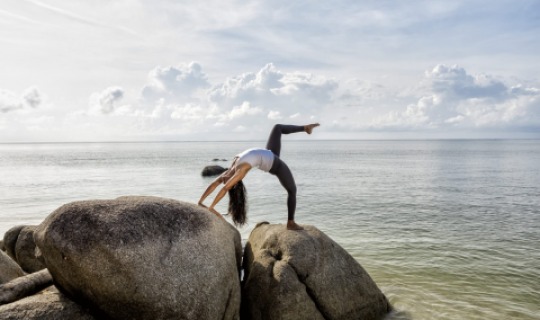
(448, 229)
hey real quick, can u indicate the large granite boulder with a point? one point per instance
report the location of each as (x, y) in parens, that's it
(144, 258)
(9, 269)
(210, 171)
(45, 306)
(305, 275)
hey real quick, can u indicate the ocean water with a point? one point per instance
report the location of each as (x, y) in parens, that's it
(447, 229)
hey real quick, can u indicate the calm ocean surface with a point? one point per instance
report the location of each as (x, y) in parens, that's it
(447, 229)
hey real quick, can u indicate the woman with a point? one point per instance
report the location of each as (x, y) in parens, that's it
(265, 159)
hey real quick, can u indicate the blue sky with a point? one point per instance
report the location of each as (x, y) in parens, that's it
(213, 70)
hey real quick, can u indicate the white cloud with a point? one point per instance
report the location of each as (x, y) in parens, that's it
(275, 93)
(9, 101)
(32, 97)
(451, 97)
(274, 115)
(243, 110)
(174, 83)
(446, 98)
(105, 102)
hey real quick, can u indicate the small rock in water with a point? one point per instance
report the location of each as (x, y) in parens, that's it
(210, 171)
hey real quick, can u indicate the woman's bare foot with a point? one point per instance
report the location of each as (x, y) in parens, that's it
(291, 225)
(309, 127)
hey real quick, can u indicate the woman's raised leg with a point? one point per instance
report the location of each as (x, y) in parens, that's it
(274, 140)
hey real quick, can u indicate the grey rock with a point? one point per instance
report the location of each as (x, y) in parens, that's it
(21, 287)
(9, 269)
(2, 247)
(209, 171)
(144, 258)
(305, 275)
(25, 250)
(45, 306)
(10, 239)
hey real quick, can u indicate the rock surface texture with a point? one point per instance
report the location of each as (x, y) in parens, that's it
(24, 286)
(46, 306)
(20, 246)
(25, 250)
(305, 275)
(10, 240)
(144, 258)
(210, 171)
(9, 269)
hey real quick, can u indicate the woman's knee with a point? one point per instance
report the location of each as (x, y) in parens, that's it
(291, 190)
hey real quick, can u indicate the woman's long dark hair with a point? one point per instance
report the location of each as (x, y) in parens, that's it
(238, 203)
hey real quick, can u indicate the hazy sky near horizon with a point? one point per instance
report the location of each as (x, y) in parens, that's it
(218, 70)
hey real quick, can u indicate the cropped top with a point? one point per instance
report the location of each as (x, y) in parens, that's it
(258, 158)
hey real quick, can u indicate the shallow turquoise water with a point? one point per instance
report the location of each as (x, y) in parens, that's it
(448, 229)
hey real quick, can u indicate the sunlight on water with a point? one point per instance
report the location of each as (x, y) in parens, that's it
(447, 229)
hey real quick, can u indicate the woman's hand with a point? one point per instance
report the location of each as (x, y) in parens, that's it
(216, 213)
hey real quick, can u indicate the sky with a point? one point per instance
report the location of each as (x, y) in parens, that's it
(160, 70)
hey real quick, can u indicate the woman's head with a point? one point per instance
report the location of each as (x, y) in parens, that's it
(238, 203)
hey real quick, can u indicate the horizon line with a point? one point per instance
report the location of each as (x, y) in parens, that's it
(258, 140)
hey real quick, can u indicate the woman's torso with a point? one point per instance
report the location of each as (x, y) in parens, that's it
(258, 158)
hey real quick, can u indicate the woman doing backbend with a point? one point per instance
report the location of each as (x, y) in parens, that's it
(265, 159)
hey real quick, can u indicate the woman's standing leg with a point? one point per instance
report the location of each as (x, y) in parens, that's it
(285, 177)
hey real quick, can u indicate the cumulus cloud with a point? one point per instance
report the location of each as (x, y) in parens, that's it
(243, 110)
(274, 115)
(182, 97)
(275, 93)
(451, 97)
(446, 98)
(9, 101)
(105, 102)
(174, 83)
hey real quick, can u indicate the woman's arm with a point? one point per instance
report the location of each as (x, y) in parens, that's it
(238, 175)
(210, 189)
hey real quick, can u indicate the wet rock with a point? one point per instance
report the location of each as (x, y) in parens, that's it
(46, 306)
(210, 171)
(305, 275)
(144, 258)
(9, 269)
